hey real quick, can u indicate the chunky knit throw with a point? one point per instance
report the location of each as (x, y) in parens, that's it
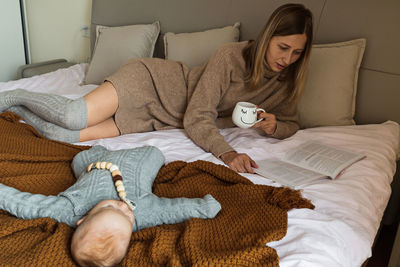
(251, 215)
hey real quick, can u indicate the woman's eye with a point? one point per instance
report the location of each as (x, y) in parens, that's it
(283, 48)
(244, 111)
(298, 52)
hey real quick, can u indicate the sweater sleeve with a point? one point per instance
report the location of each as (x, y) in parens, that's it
(152, 210)
(201, 113)
(32, 206)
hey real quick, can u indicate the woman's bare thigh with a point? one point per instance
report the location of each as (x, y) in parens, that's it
(101, 103)
(104, 129)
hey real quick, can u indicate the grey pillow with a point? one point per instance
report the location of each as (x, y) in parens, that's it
(116, 45)
(330, 90)
(196, 48)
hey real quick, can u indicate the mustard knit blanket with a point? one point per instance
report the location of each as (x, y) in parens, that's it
(251, 215)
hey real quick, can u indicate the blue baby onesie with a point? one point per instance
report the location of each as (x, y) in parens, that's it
(139, 167)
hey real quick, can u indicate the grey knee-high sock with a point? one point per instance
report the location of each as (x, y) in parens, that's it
(60, 110)
(45, 128)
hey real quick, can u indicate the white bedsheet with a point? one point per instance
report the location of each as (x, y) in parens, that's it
(339, 231)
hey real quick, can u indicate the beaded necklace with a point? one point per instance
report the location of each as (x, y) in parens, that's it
(116, 177)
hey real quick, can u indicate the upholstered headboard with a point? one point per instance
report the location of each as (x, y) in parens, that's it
(378, 95)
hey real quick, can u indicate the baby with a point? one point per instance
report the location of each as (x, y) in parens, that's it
(111, 198)
(102, 236)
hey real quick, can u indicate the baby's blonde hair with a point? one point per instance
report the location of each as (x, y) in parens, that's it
(103, 250)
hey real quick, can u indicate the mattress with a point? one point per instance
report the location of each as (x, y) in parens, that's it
(340, 230)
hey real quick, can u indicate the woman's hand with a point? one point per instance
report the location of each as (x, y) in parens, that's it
(268, 124)
(239, 162)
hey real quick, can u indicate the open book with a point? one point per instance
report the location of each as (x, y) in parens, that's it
(307, 163)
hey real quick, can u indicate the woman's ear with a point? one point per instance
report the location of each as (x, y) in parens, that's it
(80, 220)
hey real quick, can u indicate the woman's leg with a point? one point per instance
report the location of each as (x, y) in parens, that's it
(45, 128)
(97, 106)
(52, 131)
(104, 129)
(65, 112)
(101, 103)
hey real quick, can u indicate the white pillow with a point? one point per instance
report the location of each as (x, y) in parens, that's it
(196, 48)
(330, 91)
(116, 45)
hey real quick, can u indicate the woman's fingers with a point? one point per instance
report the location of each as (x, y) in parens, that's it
(239, 162)
(254, 164)
(265, 115)
(243, 163)
(268, 124)
(247, 165)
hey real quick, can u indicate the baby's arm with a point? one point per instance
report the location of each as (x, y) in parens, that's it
(152, 210)
(31, 206)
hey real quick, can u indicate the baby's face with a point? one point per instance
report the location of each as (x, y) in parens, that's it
(107, 218)
(112, 207)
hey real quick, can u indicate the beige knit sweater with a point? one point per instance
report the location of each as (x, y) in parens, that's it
(157, 94)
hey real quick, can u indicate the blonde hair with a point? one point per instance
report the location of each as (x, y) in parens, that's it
(103, 250)
(287, 19)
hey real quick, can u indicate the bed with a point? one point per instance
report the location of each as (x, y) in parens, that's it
(341, 229)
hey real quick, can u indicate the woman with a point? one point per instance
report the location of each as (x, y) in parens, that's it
(155, 94)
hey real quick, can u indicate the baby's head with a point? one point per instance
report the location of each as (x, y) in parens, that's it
(102, 236)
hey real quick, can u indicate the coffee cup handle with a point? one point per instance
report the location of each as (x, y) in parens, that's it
(259, 109)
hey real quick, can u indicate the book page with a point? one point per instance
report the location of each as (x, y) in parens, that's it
(325, 159)
(286, 173)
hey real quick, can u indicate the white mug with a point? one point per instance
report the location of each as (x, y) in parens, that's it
(245, 114)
